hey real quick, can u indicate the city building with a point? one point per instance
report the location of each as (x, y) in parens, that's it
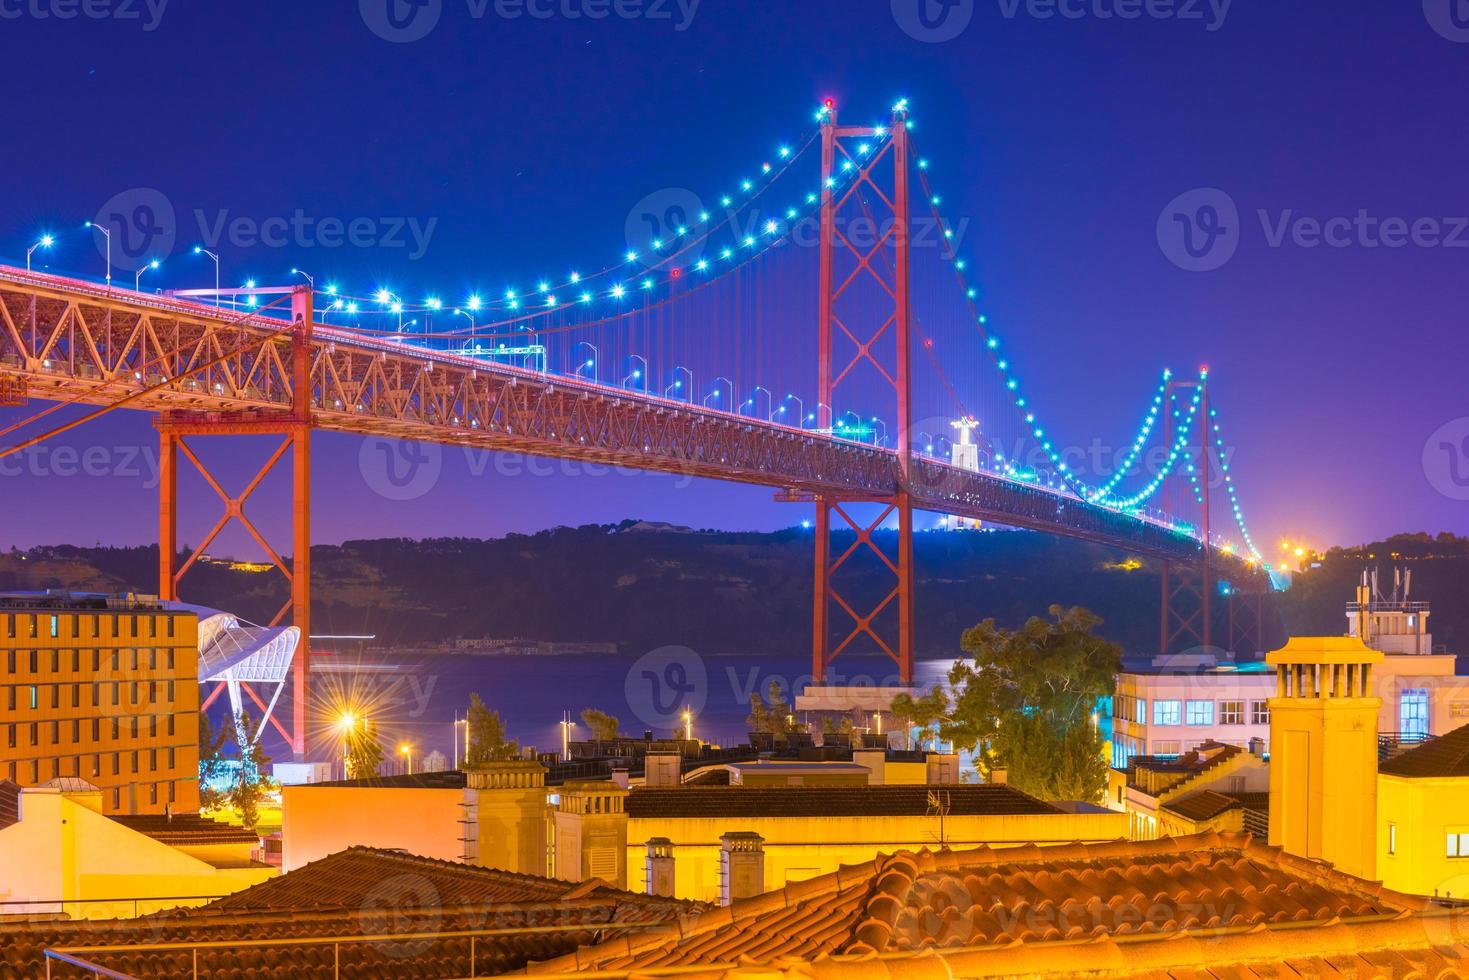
(61, 855)
(359, 913)
(105, 689)
(1201, 906)
(1172, 704)
(1164, 796)
(1423, 818)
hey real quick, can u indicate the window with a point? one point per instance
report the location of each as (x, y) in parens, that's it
(1458, 845)
(1413, 713)
(35, 696)
(55, 626)
(1259, 712)
(1199, 712)
(1165, 748)
(1231, 712)
(1166, 713)
(1392, 838)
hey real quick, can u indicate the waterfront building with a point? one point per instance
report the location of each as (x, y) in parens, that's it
(61, 855)
(105, 689)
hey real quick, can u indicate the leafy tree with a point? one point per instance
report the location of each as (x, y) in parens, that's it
(364, 750)
(773, 717)
(211, 765)
(928, 713)
(602, 725)
(1027, 698)
(251, 782)
(485, 734)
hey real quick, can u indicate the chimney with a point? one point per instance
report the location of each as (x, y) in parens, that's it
(741, 866)
(999, 776)
(659, 873)
(1323, 752)
(662, 770)
(943, 768)
(874, 761)
(619, 776)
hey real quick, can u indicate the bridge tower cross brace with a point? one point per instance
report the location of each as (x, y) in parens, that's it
(831, 374)
(294, 425)
(1186, 614)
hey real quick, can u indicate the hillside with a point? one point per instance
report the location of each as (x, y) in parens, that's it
(643, 585)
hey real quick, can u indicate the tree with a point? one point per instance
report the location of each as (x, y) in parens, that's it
(251, 783)
(211, 765)
(927, 713)
(773, 718)
(364, 751)
(1027, 697)
(602, 725)
(485, 736)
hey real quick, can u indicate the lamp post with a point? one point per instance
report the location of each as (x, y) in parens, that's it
(878, 421)
(637, 374)
(108, 235)
(769, 402)
(346, 722)
(715, 394)
(688, 724)
(138, 279)
(457, 723)
(393, 302)
(406, 751)
(46, 241)
(591, 362)
(201, 250)
(676, 384)
(800, 409)
(310, 280)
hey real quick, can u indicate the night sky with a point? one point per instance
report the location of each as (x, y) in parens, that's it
(523, 142)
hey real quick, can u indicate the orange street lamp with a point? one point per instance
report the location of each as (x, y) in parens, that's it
(407, 752)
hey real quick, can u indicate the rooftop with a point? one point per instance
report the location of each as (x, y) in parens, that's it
(1447, 755)
(185, 829)
(1124, 908)
(833, 801)
(60, 600)
(418, 911)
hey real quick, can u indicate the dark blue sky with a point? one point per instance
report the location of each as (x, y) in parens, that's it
(525, 141)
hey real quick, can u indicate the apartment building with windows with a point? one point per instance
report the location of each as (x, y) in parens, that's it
(105, 689)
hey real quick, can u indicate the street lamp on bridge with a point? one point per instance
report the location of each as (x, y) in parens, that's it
(45, 241)
(201, 250)
(138, 279)
(108, 235)
(637, 374)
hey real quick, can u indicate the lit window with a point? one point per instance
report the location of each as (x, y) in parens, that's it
(1259, 712)
(1231, 712)
(1413, 713)
(1458, 845)
(1199, 712)
(1392, 838)
(1167, 713)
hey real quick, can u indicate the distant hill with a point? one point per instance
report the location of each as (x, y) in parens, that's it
(644, 585)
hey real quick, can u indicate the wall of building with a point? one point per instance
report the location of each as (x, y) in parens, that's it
(110, 696)
(797, 848)
(64, 852)
(1414, 820)
(321, 820)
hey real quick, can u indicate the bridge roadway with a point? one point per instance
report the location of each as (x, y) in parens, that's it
(68, 339)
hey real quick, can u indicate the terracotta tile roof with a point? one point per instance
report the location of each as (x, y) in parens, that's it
(1203, 805)
(412, 903)
(9, 803)
(1447, 755)
(350, 878)
(831, 801)
(999, 898)
(183, 829)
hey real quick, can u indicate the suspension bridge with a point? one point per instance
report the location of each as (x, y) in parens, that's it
(817, 330)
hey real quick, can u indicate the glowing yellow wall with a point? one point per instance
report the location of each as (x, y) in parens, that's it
(321, 820)
(1424, 812)
(801, 848)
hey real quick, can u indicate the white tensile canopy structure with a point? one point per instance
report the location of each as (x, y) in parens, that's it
(236, 652)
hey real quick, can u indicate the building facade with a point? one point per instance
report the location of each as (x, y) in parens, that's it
(101, 688)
